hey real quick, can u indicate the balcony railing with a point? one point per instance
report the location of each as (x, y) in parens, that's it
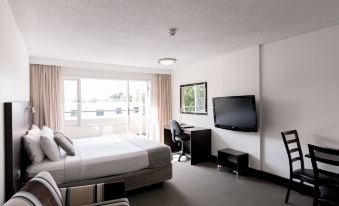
(101, 112)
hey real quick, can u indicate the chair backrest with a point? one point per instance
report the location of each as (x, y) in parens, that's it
(291, 138)
(42, 188)
(330, 161)
(175, 129)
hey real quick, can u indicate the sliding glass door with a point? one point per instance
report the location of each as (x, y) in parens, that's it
(95, 107)
(104, 103)
(138, 107)
(71, 102)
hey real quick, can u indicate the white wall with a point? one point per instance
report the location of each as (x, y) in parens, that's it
(110, 74)
(97, 66)
(14, 73)
(232, 74)
(300, 90)
(298, 81)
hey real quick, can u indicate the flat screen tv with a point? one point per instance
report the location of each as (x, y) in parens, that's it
(235, 113)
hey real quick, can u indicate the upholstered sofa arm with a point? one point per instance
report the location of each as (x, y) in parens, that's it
(42, 190)
(98, 194)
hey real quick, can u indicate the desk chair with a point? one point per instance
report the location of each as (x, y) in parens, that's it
(326, 190)
(302, 174)
(178, 137)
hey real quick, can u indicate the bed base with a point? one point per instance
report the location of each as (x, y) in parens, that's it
(133, 180)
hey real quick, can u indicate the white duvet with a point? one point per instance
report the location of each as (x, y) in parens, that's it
(99, 157)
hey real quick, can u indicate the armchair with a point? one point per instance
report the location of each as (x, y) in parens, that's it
(42, 190)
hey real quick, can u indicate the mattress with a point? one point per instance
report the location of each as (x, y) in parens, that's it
(159, 155)
(55, 168)
(105, 156)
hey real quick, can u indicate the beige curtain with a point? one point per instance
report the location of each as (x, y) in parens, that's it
(164, 102)
(45, 81)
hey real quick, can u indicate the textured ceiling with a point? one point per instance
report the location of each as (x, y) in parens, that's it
(134, 32)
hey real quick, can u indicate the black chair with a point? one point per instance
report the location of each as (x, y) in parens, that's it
(326, 189)
(295, 155)
(178, 137)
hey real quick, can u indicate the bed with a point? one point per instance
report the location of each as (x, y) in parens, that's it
(126, 157)
(107, 156)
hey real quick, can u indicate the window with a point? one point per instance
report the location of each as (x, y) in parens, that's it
(103, 101)
(71, 106)
(193, 98)
(121, 105)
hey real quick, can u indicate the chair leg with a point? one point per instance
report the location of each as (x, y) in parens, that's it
(315, 197)
(288, 190)
(182, 151)
(301, 187)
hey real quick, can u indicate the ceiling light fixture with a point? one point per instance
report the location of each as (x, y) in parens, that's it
(167, 61)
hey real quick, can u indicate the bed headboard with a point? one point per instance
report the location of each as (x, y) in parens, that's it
(17, 121)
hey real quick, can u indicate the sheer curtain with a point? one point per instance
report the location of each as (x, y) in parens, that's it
(164, 102)
(45, 94)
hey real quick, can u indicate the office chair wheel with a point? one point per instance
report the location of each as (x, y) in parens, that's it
(181, 155)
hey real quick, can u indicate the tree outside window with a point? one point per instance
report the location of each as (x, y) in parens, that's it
(193, 98)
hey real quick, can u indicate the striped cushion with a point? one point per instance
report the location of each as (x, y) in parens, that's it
(40, 191)
(99, 194)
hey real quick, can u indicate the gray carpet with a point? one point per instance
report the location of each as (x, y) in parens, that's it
(202, 185)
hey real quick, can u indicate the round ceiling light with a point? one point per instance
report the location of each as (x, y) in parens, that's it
(167, 61)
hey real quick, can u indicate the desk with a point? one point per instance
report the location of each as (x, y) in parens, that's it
(199, 144)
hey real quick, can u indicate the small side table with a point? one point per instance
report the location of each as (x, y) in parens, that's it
(232, 159)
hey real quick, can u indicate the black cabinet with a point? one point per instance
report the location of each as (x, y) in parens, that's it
(234, 160)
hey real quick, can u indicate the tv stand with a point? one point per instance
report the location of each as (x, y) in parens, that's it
(234, 160)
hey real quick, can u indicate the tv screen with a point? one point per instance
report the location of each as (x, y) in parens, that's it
(235, 113)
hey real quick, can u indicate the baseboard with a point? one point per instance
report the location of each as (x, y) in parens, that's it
(213, 158)
(275, 179)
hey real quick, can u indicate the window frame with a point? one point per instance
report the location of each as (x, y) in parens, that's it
(195, 97)
(78, 80)
(78, 116)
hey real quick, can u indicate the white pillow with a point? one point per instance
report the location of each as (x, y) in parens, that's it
(64, 143)
(32, 146)
(34, 127)
(48, 145)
